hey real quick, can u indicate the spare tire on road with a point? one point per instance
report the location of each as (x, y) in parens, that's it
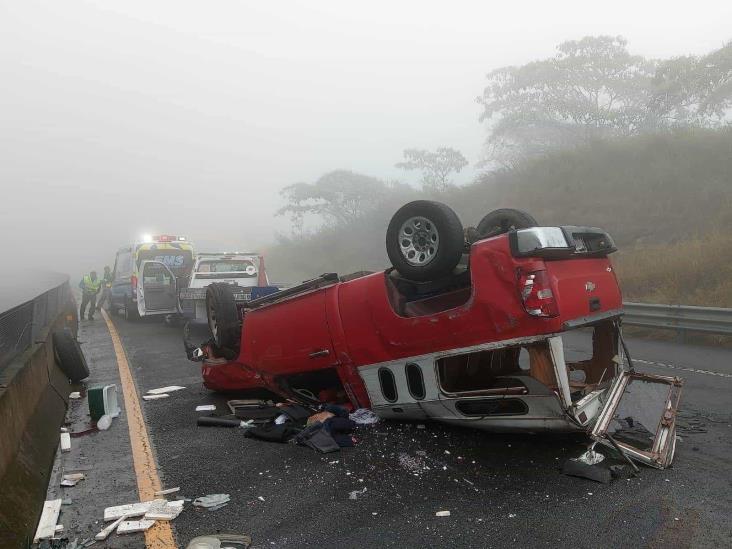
(223, 315)
(503, 220)
(424, 240)
(70, 358)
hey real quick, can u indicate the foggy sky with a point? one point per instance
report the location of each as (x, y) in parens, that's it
(131, 117)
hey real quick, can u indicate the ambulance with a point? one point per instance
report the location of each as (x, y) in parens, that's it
(148, 274)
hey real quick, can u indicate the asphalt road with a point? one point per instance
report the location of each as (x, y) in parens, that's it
(500, 489)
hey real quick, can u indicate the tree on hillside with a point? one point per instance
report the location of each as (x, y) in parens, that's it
(694, 90)
(436, 167)
(594, 88)
(338, 197)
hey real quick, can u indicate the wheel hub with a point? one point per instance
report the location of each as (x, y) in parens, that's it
(418, 240)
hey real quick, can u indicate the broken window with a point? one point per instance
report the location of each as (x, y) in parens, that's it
(492, 407)
(494, 371)
(588, 355)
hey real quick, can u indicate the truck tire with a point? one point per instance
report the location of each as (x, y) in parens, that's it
(70, 358)
(223, 315)
(503, 220)
(424, 240)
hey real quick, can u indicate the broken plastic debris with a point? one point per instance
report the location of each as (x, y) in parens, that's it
(260, 498)
(164, 510)
(590, 457)
(206, 408)
(72, 479)
(442, 514)
(168, 491)
(356, 493)
(155, 397)
(364, 416)
(104, 534)
(132, 526)
(162, 390)
(65, 442)
(104, 422)
(75, 395)
(512, 515)
(212, 500)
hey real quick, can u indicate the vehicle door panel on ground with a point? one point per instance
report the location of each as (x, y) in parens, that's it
(122, 274)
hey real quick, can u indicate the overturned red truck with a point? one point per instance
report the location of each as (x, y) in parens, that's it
(479, 328)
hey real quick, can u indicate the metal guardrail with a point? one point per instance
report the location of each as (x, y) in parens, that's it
(22, 324)
(682, 318)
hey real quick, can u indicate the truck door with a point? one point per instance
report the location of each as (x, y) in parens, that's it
(157, 291)
(289, 337)
(640, 417)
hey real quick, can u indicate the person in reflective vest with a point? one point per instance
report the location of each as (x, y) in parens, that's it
(90, 286)
(106, 289)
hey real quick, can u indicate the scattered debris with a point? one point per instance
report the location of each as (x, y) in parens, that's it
(104, 422)
(364, 416)
(75, 395)
(129, 510)
(442, 514)
(216, 541)
(588, 466)
(49, 518)
(65, 442)
(162, 390)
(72, 479)
(356, 493)
(260, 498)
(512, 515)
(155, 397)
(66, 501)
(102, 399)
(212, 501)
(206, 408)
(165, 510)
(134, 526)
(168, 491)
(104, 534)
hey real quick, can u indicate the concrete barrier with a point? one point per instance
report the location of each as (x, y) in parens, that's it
(33, 400)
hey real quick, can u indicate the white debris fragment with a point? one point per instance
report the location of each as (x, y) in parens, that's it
(72, 479)
(104, 422)
(104, 534)
(166, 492)
(164, 510)
(162, 390)
(75, 395)
(132, 526)
(155, 397)
(512, 515)
(260, 498)
(49, 518)
(206, 408)
(211, 500)
(442, 514)
(129, 510)
(356, 493)
(65, 442)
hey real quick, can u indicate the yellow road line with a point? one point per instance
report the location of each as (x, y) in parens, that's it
(160, 536)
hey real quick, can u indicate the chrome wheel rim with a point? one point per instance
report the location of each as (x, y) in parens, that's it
(419, 241)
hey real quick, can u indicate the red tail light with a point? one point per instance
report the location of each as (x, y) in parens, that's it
(537, 295)
(133, 280)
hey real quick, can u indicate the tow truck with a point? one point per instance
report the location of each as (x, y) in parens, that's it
(243, 270)
(475, 328)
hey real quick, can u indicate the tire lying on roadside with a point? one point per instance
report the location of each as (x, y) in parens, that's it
(70, 358)
(223, 315)
(503, 220)
(424, 240)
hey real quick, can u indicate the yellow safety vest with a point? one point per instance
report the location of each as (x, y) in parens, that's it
(91, 286)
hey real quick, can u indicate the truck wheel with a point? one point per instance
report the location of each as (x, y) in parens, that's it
(503, 220)
(223, 316)
(131, 312)
(424, 240)
(69, 356)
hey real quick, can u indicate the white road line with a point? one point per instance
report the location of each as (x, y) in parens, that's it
(683, 368)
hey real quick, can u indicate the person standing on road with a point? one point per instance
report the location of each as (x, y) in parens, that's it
(90, 286)
(106, 289)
